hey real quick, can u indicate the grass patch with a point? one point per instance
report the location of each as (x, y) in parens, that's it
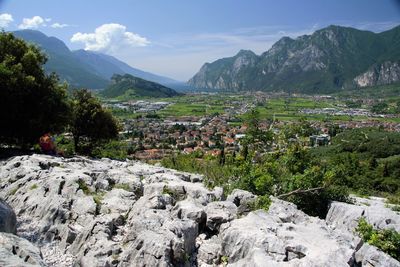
(122, 186)
(14, 190)
(83, 186)
(98, 198)
(33, 187)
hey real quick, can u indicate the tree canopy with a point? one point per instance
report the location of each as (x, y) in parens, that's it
(91, 123)
(31, 102)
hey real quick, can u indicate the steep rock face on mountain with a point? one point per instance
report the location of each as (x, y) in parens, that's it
(228, 73)
(328, 60)
(381, 74)
(83, 212)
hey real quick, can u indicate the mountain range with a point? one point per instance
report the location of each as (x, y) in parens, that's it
(331, 59)
(83, 68)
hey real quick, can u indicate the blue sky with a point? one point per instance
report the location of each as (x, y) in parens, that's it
(176, 37)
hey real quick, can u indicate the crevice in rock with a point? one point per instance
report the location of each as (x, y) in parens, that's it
(26, 258)
(15, 250)
(70, 204)
(46, 190)
(61, 186)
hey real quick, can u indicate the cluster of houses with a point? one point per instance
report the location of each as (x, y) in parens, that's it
(155, 138)
(140, 106)
(346, 112)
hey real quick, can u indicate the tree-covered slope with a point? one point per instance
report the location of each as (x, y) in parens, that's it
(328, 60)
(128, 86)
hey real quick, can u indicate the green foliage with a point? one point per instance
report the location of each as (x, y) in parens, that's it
(374, 142)
(65, 145)
(364, 160)
(256, 137)
(83, 186)
(31, 102)
(224, 260)
(380, 108)
(14, 190)
(172, 193)
(122, 186)
(126, 87)
(91, 123)
(274, 174)
(98, 198)
(33, 187)
(387, 240)
(394, 199)
(262, 202)
(113, 149)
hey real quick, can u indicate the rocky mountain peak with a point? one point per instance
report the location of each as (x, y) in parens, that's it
(245, 53)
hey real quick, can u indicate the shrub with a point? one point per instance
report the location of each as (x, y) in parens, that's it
(91, 124)
(387, 240)
(262, 202)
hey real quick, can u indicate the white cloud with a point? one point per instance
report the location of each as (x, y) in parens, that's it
(5, 20)
(59, 25)
(32, 23)
(110, 38)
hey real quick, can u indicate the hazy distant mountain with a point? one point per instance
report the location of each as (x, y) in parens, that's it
(128, 86)
(107, 65)
(62, 61)
(84, 68)
(330, 59)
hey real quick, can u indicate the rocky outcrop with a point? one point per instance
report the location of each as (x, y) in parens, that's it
(16, 251)
(227, 73)
(370, 256)
(83, 212)
(8, 220)
(381, 74)
(345, 216)
(283, 236)
(106, 213)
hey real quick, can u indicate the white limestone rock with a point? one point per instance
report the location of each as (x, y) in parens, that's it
(345, 216)
(370, 256)
(16, 251)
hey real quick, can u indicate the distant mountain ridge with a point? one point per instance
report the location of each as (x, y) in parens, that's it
(82, 68)
(331, 59)
(127, 86)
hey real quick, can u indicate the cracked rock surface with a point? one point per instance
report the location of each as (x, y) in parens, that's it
(83, 212)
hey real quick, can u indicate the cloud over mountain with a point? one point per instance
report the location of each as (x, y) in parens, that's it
(5, 20)
(59, 25)
(33, 23)
(110, 38)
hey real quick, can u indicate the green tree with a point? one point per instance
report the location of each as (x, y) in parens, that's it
(91, 124)
(255, 136)
(380, 107)
(31, 102)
